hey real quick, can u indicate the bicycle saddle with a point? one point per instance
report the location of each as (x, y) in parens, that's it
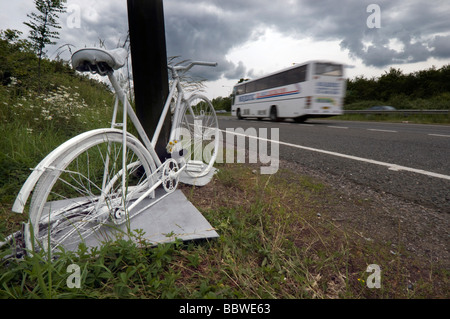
(91, 59)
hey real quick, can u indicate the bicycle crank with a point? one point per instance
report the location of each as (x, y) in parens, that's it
(170, 175)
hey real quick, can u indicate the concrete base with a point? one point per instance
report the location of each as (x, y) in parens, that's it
(173, 217)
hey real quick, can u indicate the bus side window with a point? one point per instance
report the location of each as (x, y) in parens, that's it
(250, 87)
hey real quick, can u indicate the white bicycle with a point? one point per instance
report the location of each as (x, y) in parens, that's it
(102, 176)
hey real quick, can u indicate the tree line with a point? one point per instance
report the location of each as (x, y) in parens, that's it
(396, 87)
(19, 57)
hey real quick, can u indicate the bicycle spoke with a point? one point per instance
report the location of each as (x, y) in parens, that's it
(86, 190)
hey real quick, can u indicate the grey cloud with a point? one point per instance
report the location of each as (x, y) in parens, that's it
(236, 72)
(209, 29)
(201, 31)
(227, 24)
(441, 46)
(411, 23)
(105, 21)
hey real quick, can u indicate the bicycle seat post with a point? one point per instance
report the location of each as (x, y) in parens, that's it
(116, 86)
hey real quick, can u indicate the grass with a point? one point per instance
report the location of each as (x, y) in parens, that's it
(277, 241)
(283, 242)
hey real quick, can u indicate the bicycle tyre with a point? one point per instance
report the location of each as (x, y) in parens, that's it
(67, 204)
(199, 118)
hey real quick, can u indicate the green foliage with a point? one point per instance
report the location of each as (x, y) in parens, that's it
(118, 269)
(19, 67)
(222, 103)
(426, 89)
(33, 122)
(42, 23)
(16, 58)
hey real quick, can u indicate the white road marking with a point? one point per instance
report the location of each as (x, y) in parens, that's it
(390, 166)
(386, 131)
(343, 127)
(439, 135)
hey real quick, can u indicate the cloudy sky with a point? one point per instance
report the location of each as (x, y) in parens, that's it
(249, 38)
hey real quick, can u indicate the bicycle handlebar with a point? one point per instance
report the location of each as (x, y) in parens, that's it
(213, 64)
(190, 65)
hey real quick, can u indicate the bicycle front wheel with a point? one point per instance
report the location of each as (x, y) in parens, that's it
(199, 121)
(85, 190)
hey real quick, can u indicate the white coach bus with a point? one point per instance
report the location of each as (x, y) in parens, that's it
(312, 89)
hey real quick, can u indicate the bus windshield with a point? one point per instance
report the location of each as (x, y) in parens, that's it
(329, 69)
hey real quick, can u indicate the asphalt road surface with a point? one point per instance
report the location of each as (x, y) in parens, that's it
(411, 161)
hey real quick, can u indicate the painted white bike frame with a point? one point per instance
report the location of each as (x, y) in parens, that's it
(56, 156)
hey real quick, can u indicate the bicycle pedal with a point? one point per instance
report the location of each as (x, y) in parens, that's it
(194, 166)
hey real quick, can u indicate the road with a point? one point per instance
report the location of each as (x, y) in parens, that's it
(411, 161)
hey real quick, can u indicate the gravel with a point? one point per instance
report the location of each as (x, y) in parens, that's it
(421, 225)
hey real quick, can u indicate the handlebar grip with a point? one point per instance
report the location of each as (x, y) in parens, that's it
(204, 63)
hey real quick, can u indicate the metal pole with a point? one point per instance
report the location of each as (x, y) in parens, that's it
(149, 62)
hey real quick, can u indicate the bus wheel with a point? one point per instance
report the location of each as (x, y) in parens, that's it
(239, 116)
(273, 114)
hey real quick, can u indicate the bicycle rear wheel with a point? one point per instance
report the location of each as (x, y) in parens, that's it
(83, 191)
(199, 119)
